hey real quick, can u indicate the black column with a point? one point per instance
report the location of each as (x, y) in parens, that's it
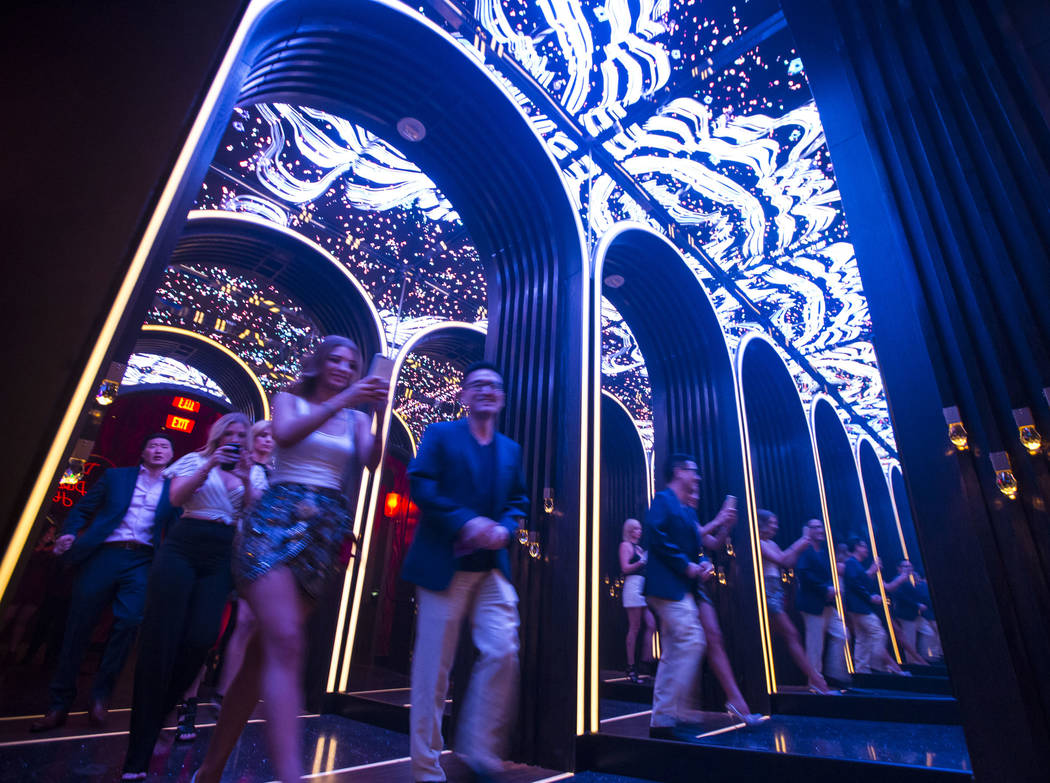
(937, 120)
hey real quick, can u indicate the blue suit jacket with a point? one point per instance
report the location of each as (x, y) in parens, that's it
(445, 475)
(103, 507)
(859, 588)
(814, 580)
(674, 542)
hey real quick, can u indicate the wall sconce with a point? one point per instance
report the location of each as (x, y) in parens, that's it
(1004, 475)
(548, 500)
(956, 431)
(721, 576)
(523, 536)
(1026, 431)
(729, 548)
(107, 392)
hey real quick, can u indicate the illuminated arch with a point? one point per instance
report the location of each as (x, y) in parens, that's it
(212, 358)
(694, 401)
(778, 449)
(270, 253)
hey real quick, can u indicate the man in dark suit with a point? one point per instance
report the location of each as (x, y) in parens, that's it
(672, 574)
(815, 601)
(862, 596)
(109, 536)
(468, 483)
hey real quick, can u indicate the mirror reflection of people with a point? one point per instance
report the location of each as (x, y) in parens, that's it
(190, 580)
(672, 574)
(632, 566)
(815, 600)
(468, 481)
(862, 602)
(713, 536)
(110, 537)
(906, 606)
(290, 544)
(929, 637)
(773, 560)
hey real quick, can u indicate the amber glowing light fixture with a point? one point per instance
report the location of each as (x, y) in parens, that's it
(956, 431)
(1004, 475)
(1026, 431)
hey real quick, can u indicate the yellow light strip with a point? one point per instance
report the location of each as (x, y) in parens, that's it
(93, 366)
(411, 437)
(595, 446)
(875, 548)
(752, 517)
(894, 465)
(220, 347)
(363, 518)
(586, 669)
(829, 536)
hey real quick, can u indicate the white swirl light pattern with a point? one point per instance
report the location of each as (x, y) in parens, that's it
(147, 368)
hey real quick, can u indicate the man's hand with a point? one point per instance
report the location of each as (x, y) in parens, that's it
(876, 600)
(693, 571)
(830, 594)
(707, 570)
(474, 533)
(496, 537)
(63, 543)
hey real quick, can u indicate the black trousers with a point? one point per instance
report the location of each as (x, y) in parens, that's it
(188, 589)
(109, 576)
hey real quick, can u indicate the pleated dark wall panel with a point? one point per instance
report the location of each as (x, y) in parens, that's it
(936, 115)
(907, 522)
(880, 509)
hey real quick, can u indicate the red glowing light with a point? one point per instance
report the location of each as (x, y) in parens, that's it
(392, 504)
(179, 424)
(186, 404)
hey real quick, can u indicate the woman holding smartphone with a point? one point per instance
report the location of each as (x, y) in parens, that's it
(191, 578)
(289, 545)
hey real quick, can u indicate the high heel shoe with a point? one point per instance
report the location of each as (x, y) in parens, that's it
(749, 719)
(632, 674)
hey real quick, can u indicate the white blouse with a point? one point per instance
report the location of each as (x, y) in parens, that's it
(212, 500)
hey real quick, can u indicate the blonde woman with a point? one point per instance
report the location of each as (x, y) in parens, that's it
(632, 565)
(191, 578)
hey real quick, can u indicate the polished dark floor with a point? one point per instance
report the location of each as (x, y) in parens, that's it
(917, 745)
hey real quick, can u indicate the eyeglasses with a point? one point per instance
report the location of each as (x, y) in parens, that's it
(495, 386)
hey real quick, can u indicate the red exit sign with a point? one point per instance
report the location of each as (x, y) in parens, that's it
(186, 404)
(179, 423)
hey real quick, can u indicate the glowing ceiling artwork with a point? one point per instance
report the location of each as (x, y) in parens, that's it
(694, 118)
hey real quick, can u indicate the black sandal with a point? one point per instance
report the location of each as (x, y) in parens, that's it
(186, 731)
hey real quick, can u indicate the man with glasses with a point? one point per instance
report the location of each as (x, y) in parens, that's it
(672, 575)
(468, 482)
(815, 600)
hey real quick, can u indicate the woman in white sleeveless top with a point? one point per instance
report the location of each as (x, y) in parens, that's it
(290, 544)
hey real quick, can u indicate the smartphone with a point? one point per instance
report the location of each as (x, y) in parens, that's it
(231, 465)
(381, 367)
(730, 501)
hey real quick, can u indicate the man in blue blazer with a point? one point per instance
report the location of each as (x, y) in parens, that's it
(110, 537)
(468, 483)
(862, 597)
(815, 601)
(672, 574)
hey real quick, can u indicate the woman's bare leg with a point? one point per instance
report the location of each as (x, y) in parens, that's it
(235, 648)
(634, 622)
(281, 611)
(647, 636)
(782, 624)
(237, 707)
(717, 658)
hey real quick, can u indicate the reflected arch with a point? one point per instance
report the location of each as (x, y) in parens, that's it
(694, 409)
(884, 535)
(902, 511)
(275, 255)
(782, 467)
(215, 360)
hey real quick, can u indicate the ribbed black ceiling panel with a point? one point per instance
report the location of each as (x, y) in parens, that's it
(838, 470)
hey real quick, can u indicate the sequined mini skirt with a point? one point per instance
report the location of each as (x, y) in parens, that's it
(293, 525)
(774, 594)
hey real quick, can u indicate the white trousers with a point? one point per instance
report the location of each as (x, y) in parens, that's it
(929, 639)
(492, 604)
(682, 645)
(832, 662)
(870, 636)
